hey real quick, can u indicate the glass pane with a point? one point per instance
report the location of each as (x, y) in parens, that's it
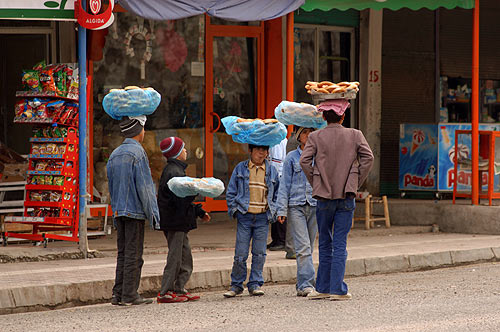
(235, 86)
(303, 63)
(167, 56)
(12, 63)
(334, 61)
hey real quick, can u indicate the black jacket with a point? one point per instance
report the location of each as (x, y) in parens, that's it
(176, 213)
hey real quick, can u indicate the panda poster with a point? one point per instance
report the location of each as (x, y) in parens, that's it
(447, 152)
(418, 154)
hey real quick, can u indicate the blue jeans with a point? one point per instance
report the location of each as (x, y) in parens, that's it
(252, 227)
(303, 227)
(336, 214)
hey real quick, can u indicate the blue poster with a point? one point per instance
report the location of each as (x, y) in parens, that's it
(418, 151)
(447, 154)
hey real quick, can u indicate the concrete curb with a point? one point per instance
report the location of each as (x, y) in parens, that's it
(29, 298)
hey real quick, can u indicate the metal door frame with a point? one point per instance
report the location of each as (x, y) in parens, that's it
(211, 31)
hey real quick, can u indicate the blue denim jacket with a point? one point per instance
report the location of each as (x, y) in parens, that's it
(238, 190)
(294, 188)
(130, 183)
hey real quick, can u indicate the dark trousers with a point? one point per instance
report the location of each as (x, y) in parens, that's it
(278, 233)
(130, 242)
(179, 263)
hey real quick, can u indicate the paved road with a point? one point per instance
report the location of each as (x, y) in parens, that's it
(454, 299)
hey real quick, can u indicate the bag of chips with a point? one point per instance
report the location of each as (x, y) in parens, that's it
(60, 76)
(47, 79)
(188, 186)
(31, 80)
(39, 66)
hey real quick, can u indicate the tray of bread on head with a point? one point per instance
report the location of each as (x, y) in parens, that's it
(325, 90)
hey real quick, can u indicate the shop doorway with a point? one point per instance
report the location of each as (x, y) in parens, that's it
(22, 48)
(324, 53)
(233, 86)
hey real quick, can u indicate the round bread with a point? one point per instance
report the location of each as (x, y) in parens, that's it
(131, 87)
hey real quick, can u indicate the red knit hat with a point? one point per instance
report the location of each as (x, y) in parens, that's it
(171, 147)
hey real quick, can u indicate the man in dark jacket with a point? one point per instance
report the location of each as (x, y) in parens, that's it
(177, 217)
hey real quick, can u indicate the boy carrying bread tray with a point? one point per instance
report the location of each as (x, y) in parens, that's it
(251, 197)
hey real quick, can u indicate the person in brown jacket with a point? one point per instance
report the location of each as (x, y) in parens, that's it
(336, 161)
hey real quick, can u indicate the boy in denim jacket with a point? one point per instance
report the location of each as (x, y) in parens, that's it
(251, 196)
(295, 203)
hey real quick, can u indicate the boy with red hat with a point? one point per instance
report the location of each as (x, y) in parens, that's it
(177, 217)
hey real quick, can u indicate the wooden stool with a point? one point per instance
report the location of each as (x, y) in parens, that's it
(369, 217)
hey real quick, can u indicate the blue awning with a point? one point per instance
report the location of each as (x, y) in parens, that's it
(234, 10)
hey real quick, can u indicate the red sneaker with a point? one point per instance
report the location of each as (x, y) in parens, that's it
(170, 297)
(189, 296)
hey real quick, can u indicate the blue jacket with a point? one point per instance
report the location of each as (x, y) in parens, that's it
(294, 188)
(238, 190)
(130, 183)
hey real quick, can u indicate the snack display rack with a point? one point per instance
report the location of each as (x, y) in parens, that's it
(52, 191)
(51, 201)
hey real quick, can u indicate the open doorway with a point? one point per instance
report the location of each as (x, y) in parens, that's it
(21, 51)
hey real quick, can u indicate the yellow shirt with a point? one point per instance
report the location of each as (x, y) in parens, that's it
(258, 188)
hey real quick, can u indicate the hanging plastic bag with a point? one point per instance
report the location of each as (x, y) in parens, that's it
(131, 101)
(267, 132)
(188, 186)
(299, 114)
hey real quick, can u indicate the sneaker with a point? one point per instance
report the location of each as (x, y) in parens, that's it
(188, 295)
(277, 247)
(232, 293)
(344, 297)
(256, 291)
(314, 295)
(170, 297)
(304, 292)
(115, 300)
(138, 301)
(290, 255)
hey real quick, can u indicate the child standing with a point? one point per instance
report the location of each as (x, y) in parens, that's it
(177, 217)
(295, 201)
(251, 196)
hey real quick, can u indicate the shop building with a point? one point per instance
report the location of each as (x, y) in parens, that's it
(207, 68)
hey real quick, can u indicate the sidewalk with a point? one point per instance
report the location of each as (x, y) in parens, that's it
(35, 285)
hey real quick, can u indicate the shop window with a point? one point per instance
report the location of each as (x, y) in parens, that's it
(165, 55)
(456, 100)
(323, 53)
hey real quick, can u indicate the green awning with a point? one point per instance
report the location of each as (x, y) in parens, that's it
(327, 5)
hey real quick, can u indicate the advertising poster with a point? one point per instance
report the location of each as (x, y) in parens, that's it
(418, 150)
(447, 153)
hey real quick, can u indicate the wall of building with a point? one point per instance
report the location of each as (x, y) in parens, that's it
(409, 69)
(408, 85)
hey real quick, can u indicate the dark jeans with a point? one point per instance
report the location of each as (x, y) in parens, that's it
(334, 219)
(179, 263)
(130, 242)
(280, 235)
